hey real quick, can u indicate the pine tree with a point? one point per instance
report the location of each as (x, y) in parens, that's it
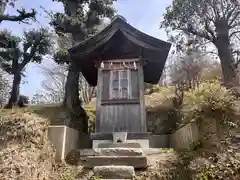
(80, 19)
(16, 53)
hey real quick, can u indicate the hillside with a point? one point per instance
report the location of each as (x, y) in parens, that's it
(26, 153)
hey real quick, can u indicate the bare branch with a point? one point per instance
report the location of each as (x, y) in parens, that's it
(197, 33)
(214, 9)
(237, 63)
(234, 33)
(230, 12)
(23, 15)
(233, 19)
(210, 31)
(234, 25)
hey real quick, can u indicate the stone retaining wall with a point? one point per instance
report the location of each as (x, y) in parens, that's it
(184, 137)
(66, 139)
(161, 122)
(159, 141)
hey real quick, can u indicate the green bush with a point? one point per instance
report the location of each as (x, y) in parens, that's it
(161, 98)
(210, 101)
(91, 113)
(222, 165)
(156, 88)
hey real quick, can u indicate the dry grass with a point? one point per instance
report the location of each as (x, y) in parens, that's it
(158, 101)
(25, 151)
(160, 164)
(50, 112)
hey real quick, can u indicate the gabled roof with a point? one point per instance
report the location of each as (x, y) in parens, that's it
(117, 39)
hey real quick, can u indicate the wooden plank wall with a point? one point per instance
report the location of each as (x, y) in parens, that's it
(142, 99)
(98, 103)
(134, 84)
(119, 118)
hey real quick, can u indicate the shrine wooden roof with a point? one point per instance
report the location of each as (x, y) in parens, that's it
(120, 40)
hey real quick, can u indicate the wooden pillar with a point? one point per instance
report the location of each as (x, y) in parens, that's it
(98, 102)
(142, 97)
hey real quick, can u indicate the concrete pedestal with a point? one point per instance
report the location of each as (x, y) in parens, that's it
(107, 138)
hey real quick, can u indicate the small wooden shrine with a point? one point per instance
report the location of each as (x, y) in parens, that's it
(118, 60)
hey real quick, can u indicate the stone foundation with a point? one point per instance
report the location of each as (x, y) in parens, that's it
(144, 143)
(140, 138)
(66, 139)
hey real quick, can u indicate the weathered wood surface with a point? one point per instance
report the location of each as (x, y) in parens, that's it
(105, 85)
(99, 98)
(116, 115)
(142, 99)
(135, 85)
(117, 118)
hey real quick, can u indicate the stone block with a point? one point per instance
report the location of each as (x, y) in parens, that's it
(86, 152)
(119, 137)
(119, 145)
(114, 172)
(118, 152)
(135, 161)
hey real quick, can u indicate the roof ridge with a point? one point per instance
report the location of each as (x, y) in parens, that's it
(97, 34)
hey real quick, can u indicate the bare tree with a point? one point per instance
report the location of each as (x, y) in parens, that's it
(163, 78)
(44, 98)
(5, 88)
(192, 68)
(55, 80)
(214, 21)
(86, 92)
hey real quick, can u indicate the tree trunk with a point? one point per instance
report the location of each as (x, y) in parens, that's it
(72, 102)
(2, 7)
(14, 97)
(71, 97)
(222, 44)
(227, 64)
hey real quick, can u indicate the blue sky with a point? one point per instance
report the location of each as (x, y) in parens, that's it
(144, 15)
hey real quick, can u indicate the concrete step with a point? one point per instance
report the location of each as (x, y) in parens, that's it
(119, 145)
(118, 152)
(135, 161)
(114, 172)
